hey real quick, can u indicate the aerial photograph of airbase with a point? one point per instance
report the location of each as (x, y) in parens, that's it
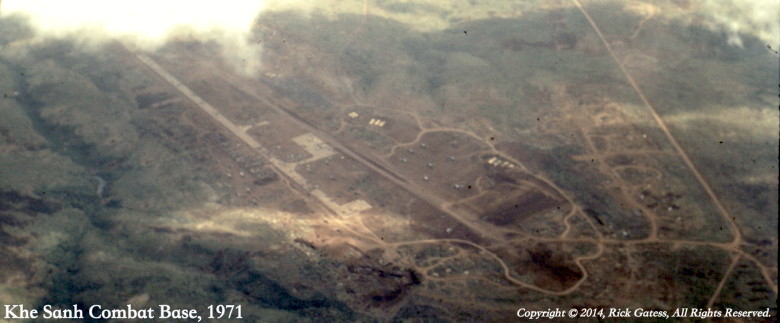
(389, 160)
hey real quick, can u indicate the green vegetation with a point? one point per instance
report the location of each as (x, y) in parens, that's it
(70, 114)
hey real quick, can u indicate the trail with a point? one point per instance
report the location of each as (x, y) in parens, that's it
(672, 140)
(733, 227)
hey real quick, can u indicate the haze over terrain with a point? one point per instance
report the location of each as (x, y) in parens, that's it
(230, 22)
(430, 160)
(148, 24)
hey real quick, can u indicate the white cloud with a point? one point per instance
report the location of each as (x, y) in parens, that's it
(147, 23)
(759, 18)
(147, 18)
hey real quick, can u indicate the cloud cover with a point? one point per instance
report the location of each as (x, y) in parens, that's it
(759, 18)
(148, 24)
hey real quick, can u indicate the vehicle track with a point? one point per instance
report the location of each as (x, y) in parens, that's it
(733, 227)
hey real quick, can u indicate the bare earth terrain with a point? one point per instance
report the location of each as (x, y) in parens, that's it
(535, 157)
